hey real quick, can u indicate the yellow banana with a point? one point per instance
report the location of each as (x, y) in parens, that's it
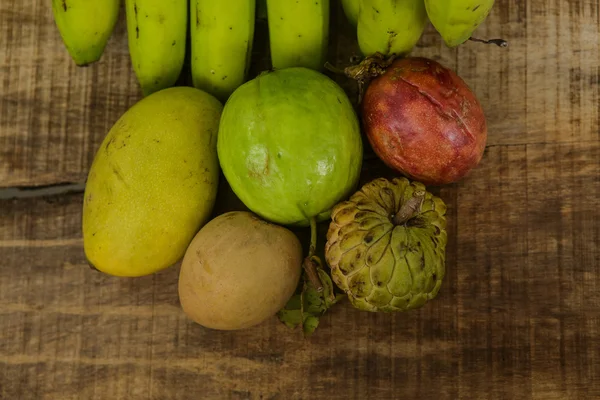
(390, 26)
(222, 33)
(85, 26)
(350, 8)
(298, 33)
(156, 31)
(456, 20)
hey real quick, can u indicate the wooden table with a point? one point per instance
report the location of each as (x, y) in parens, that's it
(519, 313)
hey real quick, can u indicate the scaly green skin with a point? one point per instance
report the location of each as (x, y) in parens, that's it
(390, 26)
(351, 8)
(221, 44)
(298, 33)
(85, 27)
(290, 146)
(382, 265)
(156, 31)
(153, 183)
(456, 20)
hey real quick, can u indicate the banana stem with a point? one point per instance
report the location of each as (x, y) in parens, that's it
(411, 207)
(312, 262)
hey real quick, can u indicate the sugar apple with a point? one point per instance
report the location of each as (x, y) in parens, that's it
(386, 245)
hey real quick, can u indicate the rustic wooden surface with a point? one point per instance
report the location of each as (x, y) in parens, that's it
(519, 313)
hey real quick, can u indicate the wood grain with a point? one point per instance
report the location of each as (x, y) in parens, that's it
(544, 88)
(54, 114)
(518, 316)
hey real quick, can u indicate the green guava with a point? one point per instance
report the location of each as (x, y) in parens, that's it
(289, 145)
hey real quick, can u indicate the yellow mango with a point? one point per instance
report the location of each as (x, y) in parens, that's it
(153, 183)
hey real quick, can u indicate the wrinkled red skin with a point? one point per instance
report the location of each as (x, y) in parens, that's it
(423, 121)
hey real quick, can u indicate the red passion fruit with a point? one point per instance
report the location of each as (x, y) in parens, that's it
(423, 121)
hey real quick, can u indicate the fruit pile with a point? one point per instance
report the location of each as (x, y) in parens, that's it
(289, 144)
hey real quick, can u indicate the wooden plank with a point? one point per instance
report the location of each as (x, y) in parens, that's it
(543, 88)
(518, 316)
(53, 115)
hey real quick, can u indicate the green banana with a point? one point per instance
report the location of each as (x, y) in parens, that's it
(350, 8)
(222, 33)
(390, 27)
(156, 31)
(298, 33)
(456, 20)
(85, 26)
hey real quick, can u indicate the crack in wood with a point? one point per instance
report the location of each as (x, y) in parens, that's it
(19, 192)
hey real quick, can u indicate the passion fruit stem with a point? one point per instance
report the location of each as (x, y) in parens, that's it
(410, 208)
(497, 42)
(369, 68)
(312, 262)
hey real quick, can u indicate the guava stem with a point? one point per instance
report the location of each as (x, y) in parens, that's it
(497, 42)
(311, 262)
(411, 207)
(313, 237)
(310, 266)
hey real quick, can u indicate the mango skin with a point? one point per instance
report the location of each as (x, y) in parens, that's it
(153, 183)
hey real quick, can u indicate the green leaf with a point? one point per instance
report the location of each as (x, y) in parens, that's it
(310, 325)
(294, 303)
(329, 295)
(312, 301)
(306, 307)
(291, 317)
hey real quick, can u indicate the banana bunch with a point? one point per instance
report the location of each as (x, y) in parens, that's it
(456, 20)
(85, 26)
(390, 27)
(298, 33)
(221, 34)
